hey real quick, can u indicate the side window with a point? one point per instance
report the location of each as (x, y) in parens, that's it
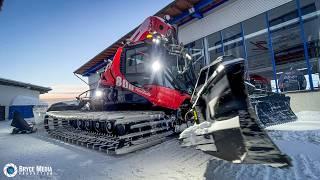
(130, 61)
(136, 59)
(142, 57)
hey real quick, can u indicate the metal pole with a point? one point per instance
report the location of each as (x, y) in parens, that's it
(221, 37)
(272, 52)
(306, 53)
(245, 52)
(206, 52)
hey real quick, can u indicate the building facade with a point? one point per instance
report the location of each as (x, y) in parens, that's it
(275, 37)
(279, 40)
(18, 96)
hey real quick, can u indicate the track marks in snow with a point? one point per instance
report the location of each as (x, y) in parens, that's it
(167, 160)
(137, 173)
(164, 161)
(305, 168)
(298, 136)
(241, 172)
(314, 166)
(267, 174)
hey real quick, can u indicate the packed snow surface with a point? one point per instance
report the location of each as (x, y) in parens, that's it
(300, 140)
(307, 120)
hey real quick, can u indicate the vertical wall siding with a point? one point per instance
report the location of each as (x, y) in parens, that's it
(229, 15)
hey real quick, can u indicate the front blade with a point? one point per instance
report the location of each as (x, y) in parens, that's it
(271, 108)
(227, 117)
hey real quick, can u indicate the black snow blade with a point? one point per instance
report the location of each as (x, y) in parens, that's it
(228, 127)
(271, 108)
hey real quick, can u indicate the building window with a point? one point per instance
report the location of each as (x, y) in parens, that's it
(292, 71)
(310, 10)
(214, 46)
(258, 53)
(282, 63)
(232, 41)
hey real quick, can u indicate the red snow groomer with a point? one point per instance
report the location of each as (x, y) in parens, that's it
(145, 69)
(141, 98)
(144, 96)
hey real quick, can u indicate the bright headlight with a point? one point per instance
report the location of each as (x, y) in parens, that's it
(156, 40)
(156, 66)
(98, 93)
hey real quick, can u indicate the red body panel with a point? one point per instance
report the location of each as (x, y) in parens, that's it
(157, 95)
(260, 79)
(152, 25)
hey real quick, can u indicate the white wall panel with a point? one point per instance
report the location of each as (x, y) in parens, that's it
(7, 93)
(220, 18)
(304, 101)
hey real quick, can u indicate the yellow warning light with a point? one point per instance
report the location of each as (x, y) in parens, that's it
(149, 36)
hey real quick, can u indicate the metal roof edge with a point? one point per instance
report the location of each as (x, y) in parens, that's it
(9, 82)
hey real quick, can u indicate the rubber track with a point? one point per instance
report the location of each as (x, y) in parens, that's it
(60, 129)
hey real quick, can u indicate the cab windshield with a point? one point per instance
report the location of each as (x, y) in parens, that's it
(153, 64)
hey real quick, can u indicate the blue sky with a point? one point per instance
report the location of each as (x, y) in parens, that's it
(44, 41)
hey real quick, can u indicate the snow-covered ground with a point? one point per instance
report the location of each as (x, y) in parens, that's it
(164, 161)
(307, 120)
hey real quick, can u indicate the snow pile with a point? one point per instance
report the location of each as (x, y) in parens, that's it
(307, 120)
(196, 129)
(208, 127)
